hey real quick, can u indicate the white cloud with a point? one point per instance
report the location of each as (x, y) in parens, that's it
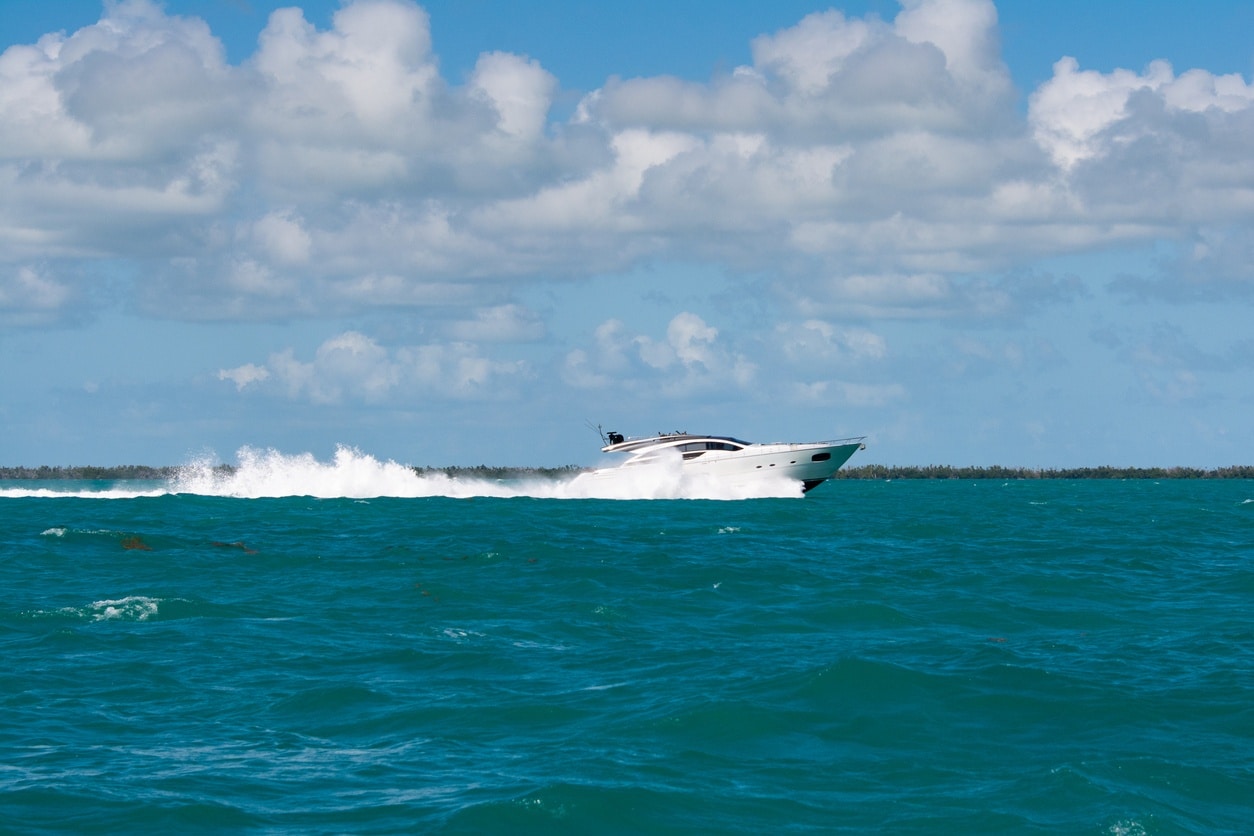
(690, 358)
(373, 72)
(808, 55)
(252, 279)
(458, 370)
(889, 295)
(501, 323)
(114, 136)
(337, 171)
(692, 340)
(1070, 111)
(29, 296)
(936, 67)
(1075, 114)
(606, 362)
(245, 375)
(816, 341)
(137, 84)
(33, 120)
(353, 368)
(519, 90)
(283, 238)
(965, 31)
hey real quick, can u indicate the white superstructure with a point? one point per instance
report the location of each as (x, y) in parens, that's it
(724, 457)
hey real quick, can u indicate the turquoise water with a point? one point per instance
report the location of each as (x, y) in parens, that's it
(931, 657)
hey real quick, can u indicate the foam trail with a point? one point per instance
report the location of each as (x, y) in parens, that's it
(354, 474)
(71, 490)
(351, 474)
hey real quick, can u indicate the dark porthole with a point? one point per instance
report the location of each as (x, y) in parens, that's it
(820, 457)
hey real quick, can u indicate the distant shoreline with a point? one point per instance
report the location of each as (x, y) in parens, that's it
(873, 472)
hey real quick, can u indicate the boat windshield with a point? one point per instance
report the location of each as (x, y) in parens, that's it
(719, 444)
(676, 441)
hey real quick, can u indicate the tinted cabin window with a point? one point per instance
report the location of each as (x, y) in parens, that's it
(820, 457)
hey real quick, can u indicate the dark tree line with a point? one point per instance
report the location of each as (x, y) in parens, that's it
(139, 471)
(125, 471)
(869, 471)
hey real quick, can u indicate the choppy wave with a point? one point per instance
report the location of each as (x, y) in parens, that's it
(129, 608)
(530, 666)
(357, 475)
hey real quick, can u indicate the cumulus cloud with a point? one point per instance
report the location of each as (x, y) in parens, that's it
(137, 85)
(283, 238)
(28, 296)
(116, 137)
(830, 364)
(519, 90)
(341, 108)
(878, 167)
(689, 358)
(354, 368)
(1081, 114)
(817, 341)
(245, 375)
(807, 55)
(501, 323)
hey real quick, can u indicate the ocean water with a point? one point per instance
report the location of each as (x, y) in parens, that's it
(343, 647)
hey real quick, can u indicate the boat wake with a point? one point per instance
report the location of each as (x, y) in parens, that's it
(353, 474)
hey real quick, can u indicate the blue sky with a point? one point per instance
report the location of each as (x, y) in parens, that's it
(455, 232)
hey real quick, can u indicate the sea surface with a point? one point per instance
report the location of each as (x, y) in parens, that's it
(344, 647)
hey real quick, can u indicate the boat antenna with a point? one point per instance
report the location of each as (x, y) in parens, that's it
(597, 427)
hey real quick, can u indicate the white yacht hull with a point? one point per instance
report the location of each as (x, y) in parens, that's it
(730, 461)
(790, 461)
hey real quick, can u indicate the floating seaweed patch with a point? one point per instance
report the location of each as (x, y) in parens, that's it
(238, 544)
(135, 543)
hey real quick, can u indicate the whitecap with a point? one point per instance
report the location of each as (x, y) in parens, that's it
(131, 608)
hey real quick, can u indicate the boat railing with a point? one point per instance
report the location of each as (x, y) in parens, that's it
(857, 439)
(618, 439)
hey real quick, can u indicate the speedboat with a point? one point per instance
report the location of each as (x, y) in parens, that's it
(735, 461)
